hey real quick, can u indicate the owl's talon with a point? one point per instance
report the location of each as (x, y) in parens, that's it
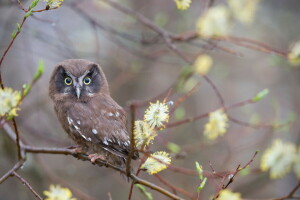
(94, 157)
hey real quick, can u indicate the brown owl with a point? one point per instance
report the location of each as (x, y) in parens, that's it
(88, 114)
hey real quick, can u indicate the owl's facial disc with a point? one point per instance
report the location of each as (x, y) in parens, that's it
(86, 84)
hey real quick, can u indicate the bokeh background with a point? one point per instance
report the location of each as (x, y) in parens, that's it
(139, 71)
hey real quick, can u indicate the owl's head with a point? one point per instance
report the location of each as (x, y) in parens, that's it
(78, 79)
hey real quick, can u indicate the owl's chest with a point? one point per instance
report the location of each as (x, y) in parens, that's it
(71, 120)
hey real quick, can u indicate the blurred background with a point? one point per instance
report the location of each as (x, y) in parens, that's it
(139, 66)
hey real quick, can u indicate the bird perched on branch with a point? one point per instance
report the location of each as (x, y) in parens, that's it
(87, 112)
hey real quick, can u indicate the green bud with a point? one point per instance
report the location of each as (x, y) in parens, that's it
(18, 27)
(199, 170)
(10, 117)
(33, 4)
(143, 190)
(26, 89)
(28, 13)
(179, 113)
(262, 94)
(201, 186)
(185, 74)
(13, 34)
(40, 70)
(174, 148)
(245, 171)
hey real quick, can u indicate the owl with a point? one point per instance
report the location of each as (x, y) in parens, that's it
(87, 112)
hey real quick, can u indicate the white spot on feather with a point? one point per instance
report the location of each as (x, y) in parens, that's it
(78, 122)
(94, 131)
(105, 148)
(117, 114)
(110, 114)
(76, 127)
(105, 141)
(70, 121)
(89, 139)
(83, 136)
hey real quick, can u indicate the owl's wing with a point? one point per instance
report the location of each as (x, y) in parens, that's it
(103, 122)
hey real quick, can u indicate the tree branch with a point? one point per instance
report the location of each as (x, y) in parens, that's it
(63, 151)
(37, 196)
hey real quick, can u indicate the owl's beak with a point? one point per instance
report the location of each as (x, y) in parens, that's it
(78, 87)
(78, 92)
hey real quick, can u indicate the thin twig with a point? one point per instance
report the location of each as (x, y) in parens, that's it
(166, 36)
(291, 194)
(147, 22)
(184, 97)
(83, 157)
(13, 169)
(21, 6)
(132, 141)
(27, 185)
(154, 187)
(58, 179)
(214, 87)
(137, 173)
(109, 29)
(240, 41)
(225, 108)
(20, 156)
(252, 44)
(178, 189)
(7, 49)
(238, 169)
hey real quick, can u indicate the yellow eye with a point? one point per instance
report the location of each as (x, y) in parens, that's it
(68, 81)
(87, 80)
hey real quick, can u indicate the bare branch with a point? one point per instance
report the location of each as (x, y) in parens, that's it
(12, 170)
(132, 141)
(83, 157)
(37, 196)
(178, 189)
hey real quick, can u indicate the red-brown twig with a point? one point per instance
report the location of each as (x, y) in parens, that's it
(20, 156)
(251, 44)
(7, 49)
(240, 169)
(84, 157)
(184, 97)
(12, 170)
(132, 141)
(37, 196)
(177, 189)
(46, 9)
(64, 151)
(231, 179)
(291, 194)
(240, 41)
(225, 108)
(58, 179)
(137, 173)
(21, 6)
(166, 36)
